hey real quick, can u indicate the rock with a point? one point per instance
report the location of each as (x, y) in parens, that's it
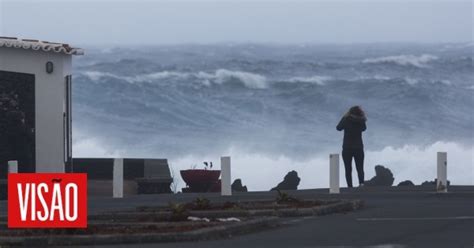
(406, 183)
(290, 182)
(425, 183)
(237, 186)
(383, 177)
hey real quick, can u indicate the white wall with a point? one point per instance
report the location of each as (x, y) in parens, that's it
(49, 91)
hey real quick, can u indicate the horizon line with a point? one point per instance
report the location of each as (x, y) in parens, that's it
(272, 43)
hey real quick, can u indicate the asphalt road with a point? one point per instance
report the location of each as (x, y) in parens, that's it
(393, 217)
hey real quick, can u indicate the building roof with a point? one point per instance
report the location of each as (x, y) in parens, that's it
(37, 45)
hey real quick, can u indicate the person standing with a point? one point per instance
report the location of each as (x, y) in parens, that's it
(353, 123)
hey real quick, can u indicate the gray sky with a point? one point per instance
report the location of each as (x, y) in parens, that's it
(170, 22)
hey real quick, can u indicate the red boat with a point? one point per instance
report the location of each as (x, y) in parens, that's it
(201, 180)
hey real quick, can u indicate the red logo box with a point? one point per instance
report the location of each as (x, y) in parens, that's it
(47, 200)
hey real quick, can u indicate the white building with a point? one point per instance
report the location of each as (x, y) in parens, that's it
(35, 98)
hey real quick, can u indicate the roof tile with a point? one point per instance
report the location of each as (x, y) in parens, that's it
(31, 44)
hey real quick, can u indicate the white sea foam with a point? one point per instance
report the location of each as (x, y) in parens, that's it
(375, 77)
(404, 60)
(85, 145)
(457, 46)
(410, 162)
(221, 76)
(250, 80)
(408, 80)
(97, 75)
(411, 81)
(159, 75)
(381, 77)
(415, 81)
(319, 80)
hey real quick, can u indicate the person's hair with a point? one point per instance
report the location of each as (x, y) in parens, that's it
(357, 111)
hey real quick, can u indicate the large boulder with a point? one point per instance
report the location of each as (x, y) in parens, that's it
(290, 182)
(238, 187)
(383, 177)
(406, 183)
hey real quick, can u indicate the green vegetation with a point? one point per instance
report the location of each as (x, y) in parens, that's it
(179, 212)
(201, 203)
(285, 198)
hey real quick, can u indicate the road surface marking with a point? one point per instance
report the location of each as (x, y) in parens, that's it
(421, 218)
(298, 220)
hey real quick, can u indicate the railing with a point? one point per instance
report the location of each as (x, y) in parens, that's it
(226, 190)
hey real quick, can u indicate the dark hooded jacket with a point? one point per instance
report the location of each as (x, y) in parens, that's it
(353, 127)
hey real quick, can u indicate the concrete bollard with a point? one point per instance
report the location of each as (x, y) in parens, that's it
(13, 166)
(442, 171)
(225, 176)
(334, 173)
(118, 178)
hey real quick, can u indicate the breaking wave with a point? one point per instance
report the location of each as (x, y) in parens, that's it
(319, 80)
(404, 60)
(220, 76)
(407, 80)
(249, 80)
(185, 105)
(97, 75)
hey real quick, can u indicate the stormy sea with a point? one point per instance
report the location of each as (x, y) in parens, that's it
(274, 108)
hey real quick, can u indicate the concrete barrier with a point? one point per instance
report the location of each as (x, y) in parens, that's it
(334, 173)
(225, 176)
(118, 178)
(140, 175)
(442, 172)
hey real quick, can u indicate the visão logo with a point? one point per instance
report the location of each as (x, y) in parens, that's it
(47, 200)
